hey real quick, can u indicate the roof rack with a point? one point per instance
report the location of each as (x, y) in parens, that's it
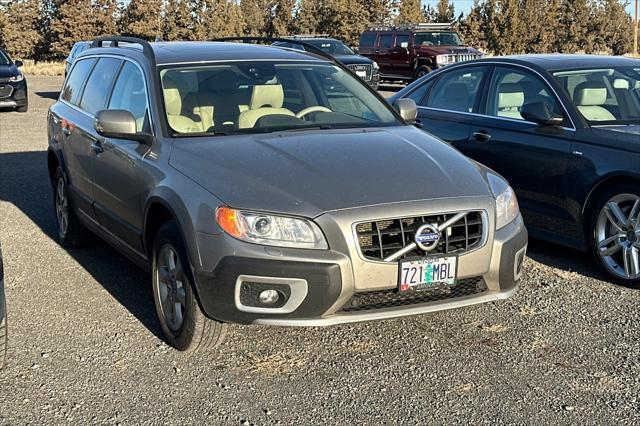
(308, 47)
(429, 26)
(297, 36)
(114, 41)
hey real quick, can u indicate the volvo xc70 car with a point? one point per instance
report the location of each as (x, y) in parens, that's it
(264, 185)
(564, 130)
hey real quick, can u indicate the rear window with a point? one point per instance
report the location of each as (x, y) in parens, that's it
(75, 81)
(367, 39)
(99, 84)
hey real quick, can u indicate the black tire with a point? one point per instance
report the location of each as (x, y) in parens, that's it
(195, 332)
(75, 235)
(3, 334)
(421, 71)
(592, 230)
(23, 108)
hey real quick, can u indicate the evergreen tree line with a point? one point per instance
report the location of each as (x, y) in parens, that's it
(46, 29)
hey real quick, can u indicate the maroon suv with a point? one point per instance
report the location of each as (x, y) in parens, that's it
(409, 52)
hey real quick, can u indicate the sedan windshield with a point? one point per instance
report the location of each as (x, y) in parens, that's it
(4, 59)
(604, 96)
(332, 47)
(440, 38)
(253, 97)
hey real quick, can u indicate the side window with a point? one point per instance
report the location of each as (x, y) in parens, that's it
(420, 93)
(511, 89)
(96, 92)
(385, 40)
(367, 39)
(75, 81)
(457, 90)
(129, 94)
(402, 40)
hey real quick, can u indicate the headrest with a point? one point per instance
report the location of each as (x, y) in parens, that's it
(267, 95)
(590, 93)
(456, 91)
(172, 98)
(510, 95)
(224, 80)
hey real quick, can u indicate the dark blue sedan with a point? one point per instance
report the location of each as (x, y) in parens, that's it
(564, 130)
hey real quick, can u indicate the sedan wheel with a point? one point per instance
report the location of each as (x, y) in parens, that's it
(617, 236)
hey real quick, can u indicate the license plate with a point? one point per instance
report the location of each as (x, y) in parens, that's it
(427, 273)
(361, 74)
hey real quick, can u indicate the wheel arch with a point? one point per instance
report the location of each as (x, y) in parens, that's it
(601, 186)
(54, 159)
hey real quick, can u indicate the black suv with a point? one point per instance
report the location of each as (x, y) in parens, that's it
(365, 68)
(13, 85)
(409, 52)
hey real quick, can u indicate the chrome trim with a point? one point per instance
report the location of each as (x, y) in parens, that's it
(13, 89)
(483, 241)
(298, 286)
(522, 252)
(382, 314)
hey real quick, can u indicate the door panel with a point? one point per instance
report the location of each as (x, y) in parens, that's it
(399, 58)
(451, 127)
(382, 53)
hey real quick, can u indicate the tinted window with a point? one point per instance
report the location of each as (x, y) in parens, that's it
(367, 39)
(457, 90)
(418, 95)
(76, 79)
(385, 40)
(402, 39)
(129, 94)
(96, 92)
(4, 58)
(511, 89)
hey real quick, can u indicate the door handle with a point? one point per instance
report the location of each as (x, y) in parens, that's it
(97, 147)
(482, 136)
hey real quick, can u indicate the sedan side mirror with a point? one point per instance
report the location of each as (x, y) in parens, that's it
(538, 112)
(407, 109)
(119, 124)
(18, 63)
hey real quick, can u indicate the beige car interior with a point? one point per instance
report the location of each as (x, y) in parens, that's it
(510, 100)
(266, 99)
(589, 97)
(455, 97)
(173, 105)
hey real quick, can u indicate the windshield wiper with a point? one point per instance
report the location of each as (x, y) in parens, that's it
(197, 134)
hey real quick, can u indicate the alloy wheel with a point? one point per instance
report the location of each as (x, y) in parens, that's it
(617, 236)
(171, 287)
(62, 208)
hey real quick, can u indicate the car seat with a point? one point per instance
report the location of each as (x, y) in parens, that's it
(173, 105)
(266, 99)
(510, 100)
(589, 96)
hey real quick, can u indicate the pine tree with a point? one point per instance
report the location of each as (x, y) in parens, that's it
(445, 11)
(344, 19)
(280, 19)
(141, 18)
(541, 20)
(377, 11)
(308, 16)
(254, 13)
(21, 33)
(611, 27)
(178, 21)
(472, 27)
(409, 12)
(573, 27)
(63, 35)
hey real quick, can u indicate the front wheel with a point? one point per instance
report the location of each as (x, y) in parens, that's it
(422, 71)
(71, 233)
(615, 234)
(185, 326)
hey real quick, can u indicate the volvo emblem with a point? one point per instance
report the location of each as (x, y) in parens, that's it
(427, 237)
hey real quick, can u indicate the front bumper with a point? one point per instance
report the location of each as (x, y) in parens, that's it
(331, 278)
(17, 94)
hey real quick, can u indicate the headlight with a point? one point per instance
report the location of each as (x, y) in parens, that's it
(442, 59)
(16, 78)
(376, 66)
(506, 208)
(271, 230)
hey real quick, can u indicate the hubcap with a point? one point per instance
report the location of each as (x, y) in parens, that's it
(617, 236)
(171, 287)
(62, 208)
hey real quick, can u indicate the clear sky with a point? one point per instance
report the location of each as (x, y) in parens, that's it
(465, 5)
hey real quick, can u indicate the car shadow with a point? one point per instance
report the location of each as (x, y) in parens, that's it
(49, 95)
(24, 182)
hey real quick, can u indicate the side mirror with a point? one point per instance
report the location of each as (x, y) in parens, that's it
(407, 109)
(18, 63)
(119, 124)
(538, 112)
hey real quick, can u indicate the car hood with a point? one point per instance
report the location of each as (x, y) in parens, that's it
(446, 50)
(307, 173)
(624, 137)
(8, 71)
(353, 60)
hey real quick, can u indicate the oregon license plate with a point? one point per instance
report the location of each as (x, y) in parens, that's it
(427, 272)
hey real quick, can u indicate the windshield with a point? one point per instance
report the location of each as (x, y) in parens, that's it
(604, 96)
(250, 97)
(332, 47)
(4, 59)
(440, 38)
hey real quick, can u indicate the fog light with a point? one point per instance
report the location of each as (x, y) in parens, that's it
(269, 297)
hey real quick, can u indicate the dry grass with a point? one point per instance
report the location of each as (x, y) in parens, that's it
(48, 68)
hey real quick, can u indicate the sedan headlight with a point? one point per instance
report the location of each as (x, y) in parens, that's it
(16, 78)
(506, 208)
(269, 229)
(376, 66)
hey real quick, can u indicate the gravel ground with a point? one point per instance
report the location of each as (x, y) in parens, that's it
(84, 343)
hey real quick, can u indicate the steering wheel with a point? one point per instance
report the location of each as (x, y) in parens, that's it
(309, 110)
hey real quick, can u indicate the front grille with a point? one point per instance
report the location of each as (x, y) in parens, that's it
(382, 238)
(5, 91)
(362, 67)
(393, 298)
